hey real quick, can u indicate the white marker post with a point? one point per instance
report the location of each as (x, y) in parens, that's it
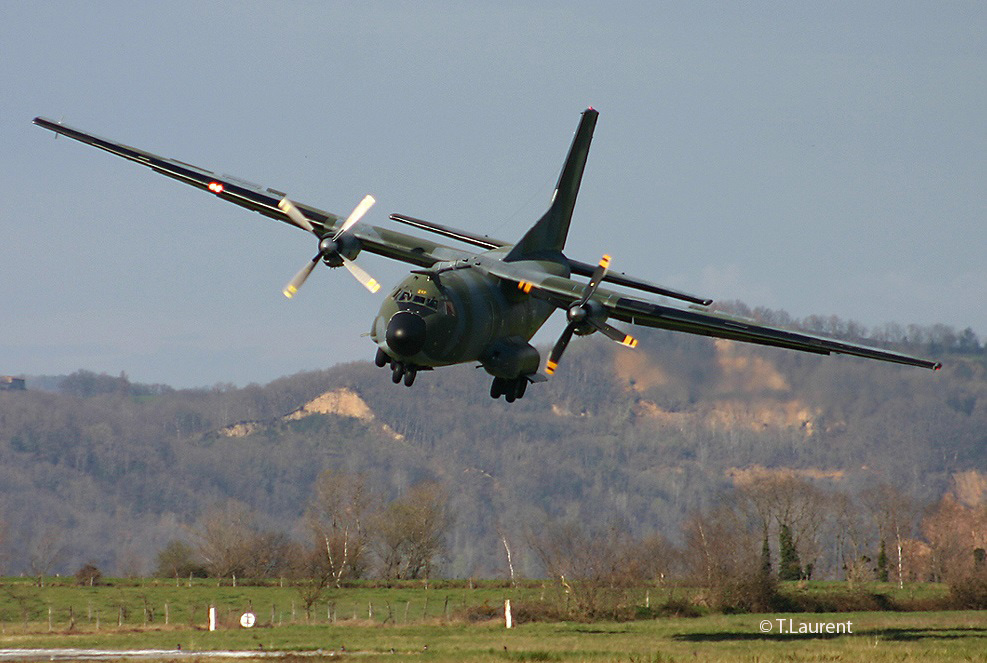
(212, 618)
(507, 614)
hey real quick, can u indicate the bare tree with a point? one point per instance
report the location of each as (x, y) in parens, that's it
(337, 516)
(225, 534)
(894, 513)
(721, 555)
(596, 569)
(178, 560)
(410, 532)
(310, 574)
(44, 552)
(850, 535)
(956, 532)
(796, 506)
(4, 553)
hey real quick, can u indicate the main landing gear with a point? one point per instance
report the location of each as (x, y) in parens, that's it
(399, 371)
(511, 390)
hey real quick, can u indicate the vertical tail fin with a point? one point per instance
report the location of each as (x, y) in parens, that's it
(546, 239)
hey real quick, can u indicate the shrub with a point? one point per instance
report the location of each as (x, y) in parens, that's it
(89, 575)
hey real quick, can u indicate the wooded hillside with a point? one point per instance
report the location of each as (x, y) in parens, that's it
(105, 471)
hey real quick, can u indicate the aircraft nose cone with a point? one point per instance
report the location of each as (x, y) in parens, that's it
(406, 333)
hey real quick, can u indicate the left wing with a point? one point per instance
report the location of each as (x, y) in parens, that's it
(564, 292)
(382, 241)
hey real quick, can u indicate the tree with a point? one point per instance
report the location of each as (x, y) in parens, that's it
(955, 531)
(409, 532)
(894, 514)
(231, 543)
(882, 563)
(338, 514)
(596, 567)
(45, 551)
(789, 564)
(89, 575)
(797, 508)
(178, 560)
(310, 574)
(722, 556)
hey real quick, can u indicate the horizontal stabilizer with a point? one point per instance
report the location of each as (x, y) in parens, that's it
(453, 233)
(585, 269)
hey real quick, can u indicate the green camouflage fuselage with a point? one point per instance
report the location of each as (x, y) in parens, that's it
(468, 316)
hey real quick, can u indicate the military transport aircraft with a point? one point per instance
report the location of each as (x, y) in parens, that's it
(463, 306)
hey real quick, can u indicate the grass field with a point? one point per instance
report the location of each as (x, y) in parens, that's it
(83, 617)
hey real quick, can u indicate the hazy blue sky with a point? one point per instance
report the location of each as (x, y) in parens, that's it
(815, 157)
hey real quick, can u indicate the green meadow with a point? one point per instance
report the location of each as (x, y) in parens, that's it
(456, 622)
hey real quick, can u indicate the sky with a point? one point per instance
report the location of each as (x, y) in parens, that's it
(821, 158)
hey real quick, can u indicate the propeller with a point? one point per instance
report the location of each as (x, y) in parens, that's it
(585, 313)
(328, 246)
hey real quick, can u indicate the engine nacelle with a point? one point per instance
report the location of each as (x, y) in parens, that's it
(511, 358)
(333, 251)
(582, 314)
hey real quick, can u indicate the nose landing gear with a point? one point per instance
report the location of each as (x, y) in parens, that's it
(399, 370)
(511, 390)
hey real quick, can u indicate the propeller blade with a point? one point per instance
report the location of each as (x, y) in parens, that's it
(595, 280)
(560, 346)
(300, 278)
(613, 333)
(369, 282)
(295, 215)
(355, 215)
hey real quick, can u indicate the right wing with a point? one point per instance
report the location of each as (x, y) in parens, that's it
(382, 241)
(564, 291)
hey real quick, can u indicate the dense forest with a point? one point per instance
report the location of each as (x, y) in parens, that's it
(97, 469)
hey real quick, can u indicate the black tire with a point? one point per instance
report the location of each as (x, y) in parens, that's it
(397, 372)
(497, 388)
(409, 377)
(381, 359)
(522, 386)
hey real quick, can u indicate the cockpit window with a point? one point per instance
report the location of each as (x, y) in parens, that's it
(407, 296)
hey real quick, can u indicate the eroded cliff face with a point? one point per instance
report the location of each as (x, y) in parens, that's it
(343, 402)
(747, 392)
(970, 488)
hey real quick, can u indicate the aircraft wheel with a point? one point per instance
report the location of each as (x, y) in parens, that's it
(409, 377)
(397, 372)
(381, 359)
(497, 388)
(522, 386)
